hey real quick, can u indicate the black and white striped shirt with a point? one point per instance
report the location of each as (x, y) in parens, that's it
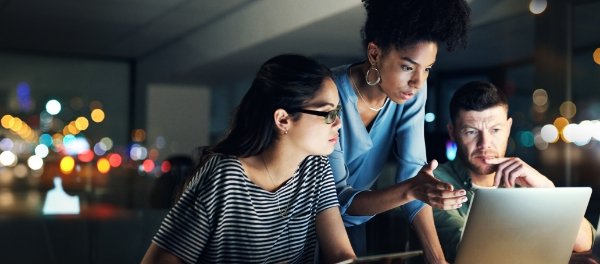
(223, 217)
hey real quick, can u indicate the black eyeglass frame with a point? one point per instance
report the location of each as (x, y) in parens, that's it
(329, 116)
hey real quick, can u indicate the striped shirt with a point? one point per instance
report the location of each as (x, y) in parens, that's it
(222, 217)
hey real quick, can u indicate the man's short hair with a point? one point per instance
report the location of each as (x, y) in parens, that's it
(476, 96)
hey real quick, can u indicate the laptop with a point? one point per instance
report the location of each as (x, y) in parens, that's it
(522, 225)
(396, 258)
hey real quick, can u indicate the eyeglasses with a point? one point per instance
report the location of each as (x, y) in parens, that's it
(330, 116)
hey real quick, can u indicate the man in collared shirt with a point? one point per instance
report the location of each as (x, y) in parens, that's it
(480, 126)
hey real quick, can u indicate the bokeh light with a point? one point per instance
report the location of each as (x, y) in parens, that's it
(138, 135)
(53, 107)
(540, 143)
(8, 158)
(138, 152)
(540, 97)
(107, 143)
(115, 160)
(596, 130)
(597, 56)
(86, 156)
(6, 144)
(568, 109)
(97, 115)
(46, 139)
(67, 164)
(570, 133)
(560, 123)
(165, 166)
(99, 149)
(549, 133)
(82, 123)
(41, 151)
(526, 138)
(35, 163)
(429, 117)
(537, 6)
(451, 149)
(7, 121)
(20, 171)
(103, 165)
(148, 165)
(160, 142)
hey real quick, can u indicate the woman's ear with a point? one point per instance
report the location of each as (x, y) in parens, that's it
(282, 120)
(373, 52)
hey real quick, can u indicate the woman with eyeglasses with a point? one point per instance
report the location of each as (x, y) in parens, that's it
(383, 98)
(265, 193)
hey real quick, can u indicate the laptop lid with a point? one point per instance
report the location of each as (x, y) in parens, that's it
(522, 225)
(398, 257)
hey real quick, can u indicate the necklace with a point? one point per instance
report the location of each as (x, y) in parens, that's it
(363, 99)
(283, 212)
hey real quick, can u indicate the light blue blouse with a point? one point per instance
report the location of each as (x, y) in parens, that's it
(360, 155)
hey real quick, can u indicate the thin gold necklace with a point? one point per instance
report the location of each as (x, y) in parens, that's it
(283, 212)
(362, 98)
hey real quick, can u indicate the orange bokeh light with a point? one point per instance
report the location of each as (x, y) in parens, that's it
(103, 165)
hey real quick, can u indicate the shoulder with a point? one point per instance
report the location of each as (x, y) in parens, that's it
(455, 173)
(215, 169)
(315, 162)
(445, 172)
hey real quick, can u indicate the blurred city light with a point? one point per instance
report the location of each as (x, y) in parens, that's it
(67, 164)
(451, 149)
(568, 109)
(41, 151)
(536, 7)
(549, 133)
(115, 160)
(540, 97)
(53, 107)
(429, 117)
(148, 165)
(165, 166)
(596, 56)
(35, 163)
(97, 115)
(103, 165)
(8, 159)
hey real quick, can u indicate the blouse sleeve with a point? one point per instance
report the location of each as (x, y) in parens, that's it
(345, 192)
(410, 150)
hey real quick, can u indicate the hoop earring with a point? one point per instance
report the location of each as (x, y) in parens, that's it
(376, 82)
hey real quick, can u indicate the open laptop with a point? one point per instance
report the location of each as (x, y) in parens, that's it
(522, 225)
(392, 258)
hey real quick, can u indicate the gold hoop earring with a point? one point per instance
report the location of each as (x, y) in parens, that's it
(376, 82)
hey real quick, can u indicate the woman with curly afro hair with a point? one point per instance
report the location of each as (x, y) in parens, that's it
(384, 105)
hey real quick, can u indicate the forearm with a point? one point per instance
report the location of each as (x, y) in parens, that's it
(333, 239)
(425, 229)
(584, 237)
(378, 201)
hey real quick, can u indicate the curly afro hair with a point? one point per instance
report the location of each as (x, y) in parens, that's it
(402, 23)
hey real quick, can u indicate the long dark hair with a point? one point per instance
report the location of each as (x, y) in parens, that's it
(402, 23)
(285, 81)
